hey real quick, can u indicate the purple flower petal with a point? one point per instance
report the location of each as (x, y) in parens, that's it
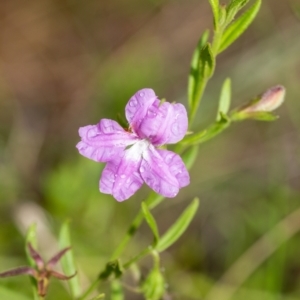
(178, 125)
(121, 177)
(157, 175)
(104, 141)
(137, 107)
(164, 123)
(176, 167)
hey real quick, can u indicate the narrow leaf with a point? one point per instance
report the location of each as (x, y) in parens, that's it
(178, 228)
(215, 9)
(189, 156)
(233, 8)
(208, 133)
(67, 261)
(151, 222)
(193, 76)
(206, 62)
(225, 99)
(201, 74)
(31, 238)
(239, 26)
(258, 115)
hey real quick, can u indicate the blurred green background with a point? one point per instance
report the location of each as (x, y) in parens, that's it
(66, 64)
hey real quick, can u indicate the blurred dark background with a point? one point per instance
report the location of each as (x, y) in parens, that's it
(66, 64)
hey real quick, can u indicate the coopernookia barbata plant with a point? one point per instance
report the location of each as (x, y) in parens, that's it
(138, 154)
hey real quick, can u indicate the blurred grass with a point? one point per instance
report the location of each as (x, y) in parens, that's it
(66, 64)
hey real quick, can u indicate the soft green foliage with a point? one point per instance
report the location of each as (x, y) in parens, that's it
(151, 222)
(116, 291)
(233, 7)
(239, 26)
(225, 99)
(189, 156)
(153, 287)
(240, 208)
(208, 133)
(215, 9)
(259, 116)
(31, 238)
(68, 261)
(194, 80)
(179, 227)
(203, 70)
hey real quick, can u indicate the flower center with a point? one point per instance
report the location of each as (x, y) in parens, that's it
(135, 151)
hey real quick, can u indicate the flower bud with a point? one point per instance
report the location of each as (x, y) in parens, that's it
(261, 107)
(154, 286)
(268, 101)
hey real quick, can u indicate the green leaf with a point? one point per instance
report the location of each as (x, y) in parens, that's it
(151, 222)
(189, 156)
(258, 115)
(67, 261)
(239, 26)
(208, 133)
(31, 237)
(7, 294)
(206, 63)
(233, 8)
(178, 228)
(225, 99)
(199, 77)
(193, 76)
(215, 9)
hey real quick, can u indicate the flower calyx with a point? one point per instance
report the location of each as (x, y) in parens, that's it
(42, 272)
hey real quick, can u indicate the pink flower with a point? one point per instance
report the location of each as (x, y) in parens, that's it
(132, 155)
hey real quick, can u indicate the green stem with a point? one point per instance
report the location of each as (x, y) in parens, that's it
(92, 287)
(198, 95)
(138, 257)
(152, 201)
(217, 41)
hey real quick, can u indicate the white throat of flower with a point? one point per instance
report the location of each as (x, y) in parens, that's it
(135, 151)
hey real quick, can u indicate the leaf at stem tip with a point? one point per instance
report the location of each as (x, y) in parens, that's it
(239, 26)
(225, 99)
(67, 261)
(215, 9)
(233, 8)
(151, 222)
(179, 227)
(193, 76)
